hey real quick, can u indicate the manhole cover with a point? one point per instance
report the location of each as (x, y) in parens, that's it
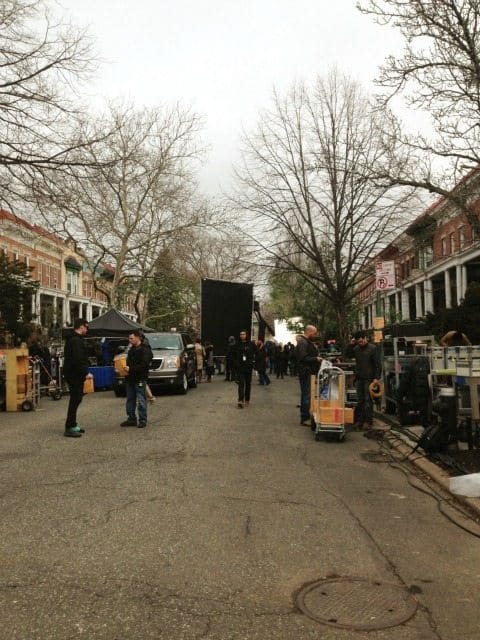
(355, 603)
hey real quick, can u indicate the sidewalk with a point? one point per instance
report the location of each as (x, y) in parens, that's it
(403, 444)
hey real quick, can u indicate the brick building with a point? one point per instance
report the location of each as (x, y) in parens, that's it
(435, 259)
(66, 288)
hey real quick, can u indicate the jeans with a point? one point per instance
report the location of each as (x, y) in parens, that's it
(263, 378)
(136, 399)
(304, 397)
(364, 401)
(76, 395)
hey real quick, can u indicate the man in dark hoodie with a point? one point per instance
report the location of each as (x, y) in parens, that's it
(368, 370)
(75, 369)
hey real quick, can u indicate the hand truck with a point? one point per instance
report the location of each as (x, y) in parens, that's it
(329, 415)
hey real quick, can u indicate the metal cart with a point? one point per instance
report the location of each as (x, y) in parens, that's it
(52, 388)
(329, 415)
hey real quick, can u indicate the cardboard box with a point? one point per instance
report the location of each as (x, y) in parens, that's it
(335, 415)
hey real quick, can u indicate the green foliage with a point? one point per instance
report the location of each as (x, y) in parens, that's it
(169, 296)
(292, 295)
(16, 290)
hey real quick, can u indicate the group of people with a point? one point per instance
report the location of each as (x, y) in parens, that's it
(368, 371)
(75, 370)
(243, 357)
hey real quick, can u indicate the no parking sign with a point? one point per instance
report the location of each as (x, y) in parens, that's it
(385, 275)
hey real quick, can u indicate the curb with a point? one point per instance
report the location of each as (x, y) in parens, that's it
(433, 471)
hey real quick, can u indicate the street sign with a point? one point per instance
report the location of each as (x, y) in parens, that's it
(385, 275)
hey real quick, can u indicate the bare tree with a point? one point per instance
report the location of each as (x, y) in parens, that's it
(217, 250)
(307, 181)
(438, 73)
(43, 63)
(139, 194)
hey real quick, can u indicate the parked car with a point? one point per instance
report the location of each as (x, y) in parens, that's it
(173, 365)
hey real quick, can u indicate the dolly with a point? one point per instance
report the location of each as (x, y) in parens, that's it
(328, 412)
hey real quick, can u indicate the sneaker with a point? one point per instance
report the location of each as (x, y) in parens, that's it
(79, 428)
(142, 425)
(72, 433)
(240, 405)
(128, 423)
(305, 423)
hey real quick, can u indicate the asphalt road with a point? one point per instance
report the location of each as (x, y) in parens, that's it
(209, 521)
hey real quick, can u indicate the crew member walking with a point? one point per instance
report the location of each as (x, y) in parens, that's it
(244, 361)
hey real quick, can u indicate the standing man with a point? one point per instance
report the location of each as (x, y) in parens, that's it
(244, 359)
(308, 362)
(138, 362)
(368, 369)
(261, 363)
(200, 356)
(230, 374)
(75, 370)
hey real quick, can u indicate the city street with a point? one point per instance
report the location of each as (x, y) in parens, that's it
(209, 522)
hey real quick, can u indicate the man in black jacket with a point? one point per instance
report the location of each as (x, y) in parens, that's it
(308, 362)
(244, 358)
(75, 369)
(139, 357)
(368, 369)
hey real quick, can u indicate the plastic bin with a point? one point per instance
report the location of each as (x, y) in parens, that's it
(103, 377)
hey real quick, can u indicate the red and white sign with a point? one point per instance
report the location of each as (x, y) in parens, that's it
(385, 275)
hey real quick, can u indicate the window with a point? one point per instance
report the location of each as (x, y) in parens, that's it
(49, 275)
(72, 282)
(453, 244)
(40, 272)
(443, 246)
(461, 235)
(424, 257)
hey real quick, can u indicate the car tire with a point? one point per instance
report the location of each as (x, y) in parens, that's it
(192, 383)
(183, 388)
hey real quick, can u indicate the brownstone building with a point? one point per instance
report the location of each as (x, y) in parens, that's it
(435, 259)
(66, 288)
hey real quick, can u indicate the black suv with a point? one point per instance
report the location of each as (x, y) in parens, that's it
(173, 366)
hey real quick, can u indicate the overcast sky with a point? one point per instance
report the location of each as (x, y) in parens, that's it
(223, 57)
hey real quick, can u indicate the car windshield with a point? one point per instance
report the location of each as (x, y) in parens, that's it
(165, 341)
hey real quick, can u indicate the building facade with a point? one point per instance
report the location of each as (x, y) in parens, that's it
(435, 258)
(66, 289)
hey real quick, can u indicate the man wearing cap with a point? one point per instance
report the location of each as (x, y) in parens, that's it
(367, 372)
